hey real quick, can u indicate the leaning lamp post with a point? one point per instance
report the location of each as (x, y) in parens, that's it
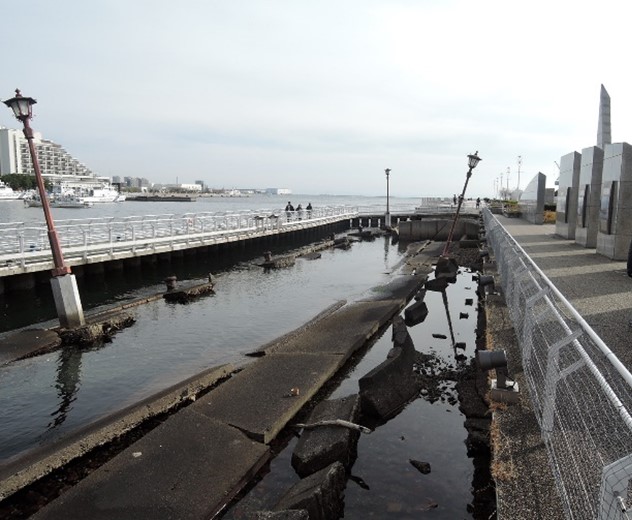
(387, 217)
(473, 160)
(63, 282)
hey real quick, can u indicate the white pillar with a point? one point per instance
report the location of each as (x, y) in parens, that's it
(67, 301)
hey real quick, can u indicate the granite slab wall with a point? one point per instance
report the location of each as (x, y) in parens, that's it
(566, 214)
(531, 203)
(615, 211)
(588, 196)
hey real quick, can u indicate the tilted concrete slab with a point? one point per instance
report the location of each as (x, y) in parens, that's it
(188, 467)
(27, 343)
(342, 332)
(41, 461)
(257, 400)
(401, 288)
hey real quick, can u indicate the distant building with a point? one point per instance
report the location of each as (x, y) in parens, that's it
(279, 191)
(53, 159)
(183, 187)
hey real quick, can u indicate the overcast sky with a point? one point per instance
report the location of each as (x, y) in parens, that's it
(320, 96)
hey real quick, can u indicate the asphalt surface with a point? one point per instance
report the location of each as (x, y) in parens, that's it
(600, 290)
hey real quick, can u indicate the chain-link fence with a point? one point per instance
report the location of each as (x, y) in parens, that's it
(580, 391)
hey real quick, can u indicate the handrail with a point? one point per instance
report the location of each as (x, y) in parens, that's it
(26, 244)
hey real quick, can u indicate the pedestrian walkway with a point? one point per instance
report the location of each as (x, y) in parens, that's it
(601, 292)
(597, 287)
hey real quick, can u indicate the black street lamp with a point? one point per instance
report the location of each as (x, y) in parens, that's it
(387, 217)
(64, 285)
(473, 160)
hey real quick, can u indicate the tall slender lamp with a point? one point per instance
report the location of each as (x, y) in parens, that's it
(473, 160)
(63, 282)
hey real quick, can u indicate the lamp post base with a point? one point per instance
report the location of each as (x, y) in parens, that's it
(67, 301)
(387, 220)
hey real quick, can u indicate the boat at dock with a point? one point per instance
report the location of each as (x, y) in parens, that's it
(68, 199)
(101, 194)
(7, 192)
(163, 198)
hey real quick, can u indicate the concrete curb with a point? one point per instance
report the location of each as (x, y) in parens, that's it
(40, 462)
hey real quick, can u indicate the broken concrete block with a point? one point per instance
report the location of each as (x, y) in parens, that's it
(436, 284)
(321, 494)
(415, 313)
(321, 446)
(390, 385)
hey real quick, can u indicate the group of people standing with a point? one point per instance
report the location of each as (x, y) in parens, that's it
(289, 209)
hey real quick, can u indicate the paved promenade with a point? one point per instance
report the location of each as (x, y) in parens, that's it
(600, 290)
(597, 287)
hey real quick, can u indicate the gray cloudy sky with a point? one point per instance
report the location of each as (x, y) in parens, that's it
(320, 96)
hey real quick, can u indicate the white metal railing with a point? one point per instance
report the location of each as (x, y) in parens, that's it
(430, 205)
(25, 247)
(580, 391)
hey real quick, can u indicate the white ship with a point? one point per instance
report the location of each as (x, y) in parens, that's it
(7, 192)
(102, 193)
(58, 199)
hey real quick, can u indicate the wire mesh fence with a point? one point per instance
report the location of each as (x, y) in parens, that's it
(581, 393)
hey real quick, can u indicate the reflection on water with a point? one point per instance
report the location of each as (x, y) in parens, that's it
(67, 383)
(383, 483)
(48, 396)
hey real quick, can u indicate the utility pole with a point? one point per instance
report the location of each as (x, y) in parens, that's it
(500, 191)
(519, 165)
(508, 172)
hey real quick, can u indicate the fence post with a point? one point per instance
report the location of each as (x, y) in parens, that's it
(615, 479)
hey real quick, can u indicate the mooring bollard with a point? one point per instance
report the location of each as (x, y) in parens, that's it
(171, 282)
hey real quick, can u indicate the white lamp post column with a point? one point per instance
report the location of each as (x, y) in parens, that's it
(387, 217)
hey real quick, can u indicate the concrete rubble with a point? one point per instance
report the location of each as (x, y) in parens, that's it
(321, 446)
(390, 385)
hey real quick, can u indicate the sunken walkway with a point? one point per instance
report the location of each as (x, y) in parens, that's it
(193, 464)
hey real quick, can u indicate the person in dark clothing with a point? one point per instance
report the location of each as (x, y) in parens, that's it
(309, 210)
(289, 209)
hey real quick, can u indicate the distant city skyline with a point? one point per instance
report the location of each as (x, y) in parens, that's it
(322, 97)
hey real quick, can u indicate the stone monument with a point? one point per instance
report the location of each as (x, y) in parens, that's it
(566, 211)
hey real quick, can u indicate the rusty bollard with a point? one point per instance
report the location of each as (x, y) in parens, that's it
(171, 282)
(267, 256)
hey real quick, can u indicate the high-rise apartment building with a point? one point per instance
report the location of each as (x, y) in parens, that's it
(53, 159)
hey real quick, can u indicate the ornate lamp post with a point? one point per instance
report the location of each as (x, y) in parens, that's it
(473, 160)
(64, 284)
(387, 217)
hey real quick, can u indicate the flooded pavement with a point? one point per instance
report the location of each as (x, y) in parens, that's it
(47, 396)
(431, 428)
(63, 391)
